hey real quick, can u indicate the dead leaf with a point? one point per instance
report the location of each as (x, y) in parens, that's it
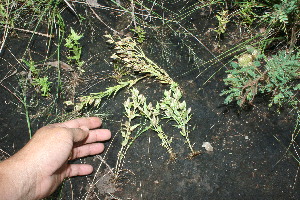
(207, 146)
(63, 65)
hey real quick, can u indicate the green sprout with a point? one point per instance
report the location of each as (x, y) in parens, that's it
(43, 84)
(140, 32)
(72, 42)
(223, 19)
(32, 68)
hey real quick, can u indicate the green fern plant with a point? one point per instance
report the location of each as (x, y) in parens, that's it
(282, 69)
(254, 73)
(283, 10)
(244, 78)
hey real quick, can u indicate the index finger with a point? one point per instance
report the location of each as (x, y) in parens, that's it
(89, 122)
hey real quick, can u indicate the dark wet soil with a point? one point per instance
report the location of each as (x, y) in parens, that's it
(249, 158)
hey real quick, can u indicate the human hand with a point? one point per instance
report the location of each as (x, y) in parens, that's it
(40, 167)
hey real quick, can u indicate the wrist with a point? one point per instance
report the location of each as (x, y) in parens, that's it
(15, 179)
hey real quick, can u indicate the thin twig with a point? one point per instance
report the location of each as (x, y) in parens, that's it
(132, 13)
(33, 32)
(5, 33)
(11, 93)
(70, 6)
(96, 5)
(4, 38)
(6, 77)
(17, 60)
(97, 16)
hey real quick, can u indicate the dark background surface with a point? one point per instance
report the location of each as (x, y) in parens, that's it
(248, 162)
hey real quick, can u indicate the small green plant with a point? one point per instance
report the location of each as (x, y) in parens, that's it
(169, 108)
(254, 73)
(243, 78)
(129, 55)
(32, 67)
(43, 84)
(223, 19)
(140, 33)
(72, 42)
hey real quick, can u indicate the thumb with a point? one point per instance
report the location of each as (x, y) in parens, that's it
(79, 134)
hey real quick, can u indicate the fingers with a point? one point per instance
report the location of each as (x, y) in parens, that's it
(78, 170)
(87, 150)
(90, 136)
(89, 122)
(81, 129)
(89, 147)
(98, 135)
(79, 134)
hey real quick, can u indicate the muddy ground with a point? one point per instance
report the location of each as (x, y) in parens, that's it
(249, 158)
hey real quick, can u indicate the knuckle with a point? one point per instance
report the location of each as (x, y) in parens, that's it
(54, 130)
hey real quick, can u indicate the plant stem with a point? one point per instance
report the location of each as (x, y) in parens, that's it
(27, 113)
